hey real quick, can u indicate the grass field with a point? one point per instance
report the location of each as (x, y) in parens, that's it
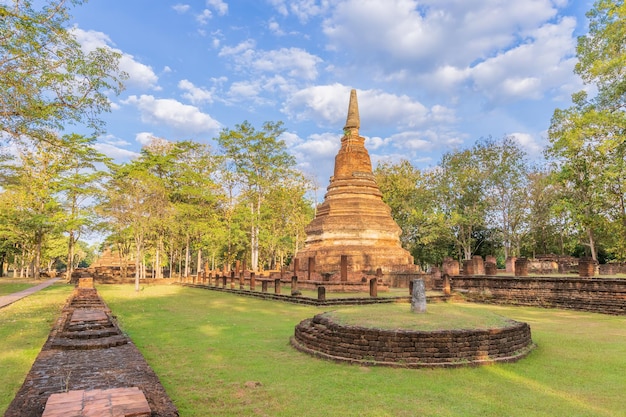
(219, 354)
(24, 328)
(11, 285)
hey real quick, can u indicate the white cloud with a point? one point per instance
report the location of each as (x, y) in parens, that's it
(144, 138)
(195, 95)
(140, 75)
(220, 7)
(204, 17)
(274, 27)
(528, 143)
(181, 8)
(302, 9)
(172, 113)
(291, 62)
(504, 50)
(328, 105)
(114, 148)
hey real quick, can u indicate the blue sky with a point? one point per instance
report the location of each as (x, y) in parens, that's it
(431, 75)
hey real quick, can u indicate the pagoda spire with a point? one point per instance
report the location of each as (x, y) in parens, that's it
(353, 121)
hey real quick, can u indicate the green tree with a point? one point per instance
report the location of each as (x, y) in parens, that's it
(506, 172)
(461, 197)
(587, 139)
(46, 80)
(261, 160)
(411, 195)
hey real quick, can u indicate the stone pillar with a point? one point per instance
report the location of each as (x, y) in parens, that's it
(232, 280)
(237, 266)
(224, 279)
(479, 266)
(418, 297)
(311, 267)
(277, 286)
(491, 269)
(521, 267)
(252, 281)
(210, 278)
(510, 264)
(492, 259)
(450, 266)
(374, 287)
(294, 285)
(296, 266)
(344, 268)
(468, 267)
(446, 284)
(586, 267)
(321, 293)
(242, 280)
(264, 285)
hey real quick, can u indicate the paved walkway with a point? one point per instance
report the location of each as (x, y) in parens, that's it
(5, 300)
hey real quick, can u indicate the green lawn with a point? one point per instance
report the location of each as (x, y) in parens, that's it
(223, 355)
(24, 328)
(11, 285)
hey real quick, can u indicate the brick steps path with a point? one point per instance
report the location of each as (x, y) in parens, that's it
(89, 368)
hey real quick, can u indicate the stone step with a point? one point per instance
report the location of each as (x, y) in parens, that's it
(88, 344)
(89, 334)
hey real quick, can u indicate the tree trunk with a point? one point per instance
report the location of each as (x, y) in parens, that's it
(592, 244)
(187, 257)
(138, 244)
(70, 257)
(199, 264)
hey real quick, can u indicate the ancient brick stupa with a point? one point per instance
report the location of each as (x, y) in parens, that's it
(353, 222)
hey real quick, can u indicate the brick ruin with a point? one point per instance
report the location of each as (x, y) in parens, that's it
(88, 367)
(353, 234)
(323, 338)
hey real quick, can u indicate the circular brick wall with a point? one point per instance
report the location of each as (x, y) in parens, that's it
(322, 337)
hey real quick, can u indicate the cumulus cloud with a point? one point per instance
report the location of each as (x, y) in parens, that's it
(203, 18)
(172, 113)
(291, 62)
(181, 8)
(220, 7)
(302, 9)
(114, 147)
(328, 105)
(503, 50)
(196, 95)
(140, 75)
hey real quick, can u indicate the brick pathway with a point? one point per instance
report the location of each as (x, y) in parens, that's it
(5, 300)
(91, 364)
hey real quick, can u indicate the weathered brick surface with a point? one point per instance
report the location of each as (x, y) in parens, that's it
(86, 351)
(602, 295)
(322, 337)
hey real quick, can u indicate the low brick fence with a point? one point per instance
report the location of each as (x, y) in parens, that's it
(600, 295)
(323, 338)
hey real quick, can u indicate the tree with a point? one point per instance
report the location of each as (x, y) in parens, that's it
(411, 196)
(261, 159)
(46, 80)
(79, 188)
(587, 140)
(461, 196)
(504, 165)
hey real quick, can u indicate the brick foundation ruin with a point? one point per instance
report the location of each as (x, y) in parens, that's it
(323, 338)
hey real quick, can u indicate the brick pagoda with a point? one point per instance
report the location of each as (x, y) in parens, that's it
(353, 222)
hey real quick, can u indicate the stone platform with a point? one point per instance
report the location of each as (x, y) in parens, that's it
(114, 402)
